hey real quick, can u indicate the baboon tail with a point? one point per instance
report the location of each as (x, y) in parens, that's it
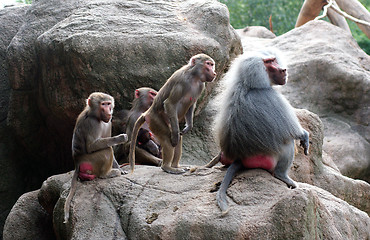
(221, 193)
(139, 122)
(71, 193)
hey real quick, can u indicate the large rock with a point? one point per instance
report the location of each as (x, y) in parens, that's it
(68, 49)
(349, 149)
(255, 31)
(12, 183)
(28, 220)
(150, 203)
(11, 19)
(329, 75)
(319, 169)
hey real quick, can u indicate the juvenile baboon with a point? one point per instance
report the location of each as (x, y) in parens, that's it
(256, 126)
(174, 102)
(144, 98)
(148, 151)
(92, 143)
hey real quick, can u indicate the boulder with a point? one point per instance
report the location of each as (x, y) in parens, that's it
(255, 31)
(319, 169)
(11, 19)
(12, 172)
(28, 220)
(12, 183)
(350, 150)
(150, 203)
(51, 190)
(329, 74)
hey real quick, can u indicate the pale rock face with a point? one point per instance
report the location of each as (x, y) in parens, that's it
(150, 203)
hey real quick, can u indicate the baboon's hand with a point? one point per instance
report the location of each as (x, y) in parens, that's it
(122, 138)
(305, 146)
(305, 142)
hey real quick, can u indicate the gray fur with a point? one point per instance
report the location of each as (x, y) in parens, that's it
(254, 118)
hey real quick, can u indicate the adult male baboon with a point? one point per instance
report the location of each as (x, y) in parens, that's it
(256, 126)
(174, 102)
(92, 143)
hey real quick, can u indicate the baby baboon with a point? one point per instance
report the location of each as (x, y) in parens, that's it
(145, 141)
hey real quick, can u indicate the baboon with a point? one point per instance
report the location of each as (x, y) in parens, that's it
(148, 151)
(92, 143)
(256, 126)
(174, 102)
(145, 141)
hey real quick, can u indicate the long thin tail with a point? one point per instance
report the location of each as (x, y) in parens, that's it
(71, 193)
(139, 122)
(221, 194)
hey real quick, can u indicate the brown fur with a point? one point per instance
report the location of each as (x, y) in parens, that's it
(92, 141)
(144, 97)
(175, 102)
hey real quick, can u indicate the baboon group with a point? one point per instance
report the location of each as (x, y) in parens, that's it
(255, 126)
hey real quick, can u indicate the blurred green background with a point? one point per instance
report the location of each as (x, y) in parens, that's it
(284, 15)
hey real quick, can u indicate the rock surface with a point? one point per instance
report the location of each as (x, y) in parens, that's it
(255, 31)
(11, 185)
(319, 169)
(151, 204)
(11, 19)
(28, 220)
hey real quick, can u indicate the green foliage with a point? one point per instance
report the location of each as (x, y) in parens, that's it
(25, 1)
(362, 40)
(283, 13)
(257, 13)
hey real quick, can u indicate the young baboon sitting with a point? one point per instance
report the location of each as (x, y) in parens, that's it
(92, 143)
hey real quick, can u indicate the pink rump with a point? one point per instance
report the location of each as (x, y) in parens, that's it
(85, 173)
